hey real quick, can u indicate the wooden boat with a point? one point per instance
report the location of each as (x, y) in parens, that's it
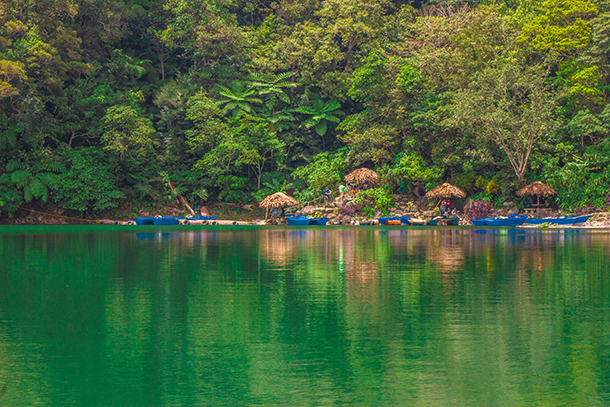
(148, 220)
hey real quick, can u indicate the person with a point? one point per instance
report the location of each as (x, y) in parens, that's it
(326, 194)
(402, 187)
(341, 189)
(443, 207)
(349, 188)
(366, 184)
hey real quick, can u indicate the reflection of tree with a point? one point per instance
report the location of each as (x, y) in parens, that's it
(328, 316)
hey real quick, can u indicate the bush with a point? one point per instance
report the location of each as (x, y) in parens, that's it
(346, 210)
(382, 197)
(478, 209)
(493, 187)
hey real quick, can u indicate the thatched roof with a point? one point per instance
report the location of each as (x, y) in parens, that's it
(278, 200)
(362, 174)
(536, 188)
(446, 191)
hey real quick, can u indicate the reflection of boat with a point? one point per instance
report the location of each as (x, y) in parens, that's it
(404, 220)
(149, 220)
(299, 220)
(564, 220)
(444, 221)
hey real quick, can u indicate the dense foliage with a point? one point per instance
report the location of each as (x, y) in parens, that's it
(102, 104)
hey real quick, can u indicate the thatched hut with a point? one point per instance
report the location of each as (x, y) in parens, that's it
(537, 189)
(446, 190)
(277, 201)
(362, 176)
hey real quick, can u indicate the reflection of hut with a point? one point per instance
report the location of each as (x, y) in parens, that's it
(445, 191)
(279, 200)
(362, 176)
(537, 189)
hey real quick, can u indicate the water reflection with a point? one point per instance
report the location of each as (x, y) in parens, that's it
(322, 316)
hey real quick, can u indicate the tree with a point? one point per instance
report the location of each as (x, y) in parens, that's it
(321, 113)
(508, 104)
(126, 130)
(238, 99)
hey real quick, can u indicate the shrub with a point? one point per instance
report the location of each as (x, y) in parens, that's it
(478, 209)
(493, 187)
(346, 210)
(382, 197)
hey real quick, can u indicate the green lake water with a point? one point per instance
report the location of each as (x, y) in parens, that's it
(239, 316)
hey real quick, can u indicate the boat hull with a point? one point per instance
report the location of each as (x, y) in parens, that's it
(567, 221)
(144, 221)
(298, 221)
(505, 222)
(581, 220)
(165, 221)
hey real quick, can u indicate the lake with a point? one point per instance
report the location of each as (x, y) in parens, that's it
(359, 316)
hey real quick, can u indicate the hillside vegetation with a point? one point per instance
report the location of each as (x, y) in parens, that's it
(104, 102)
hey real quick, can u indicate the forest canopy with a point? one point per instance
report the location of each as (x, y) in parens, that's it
(103, 102)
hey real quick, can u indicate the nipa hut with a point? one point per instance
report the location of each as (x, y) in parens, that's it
(445, 190)
(277, 201)
(362, 175)
(537, 189)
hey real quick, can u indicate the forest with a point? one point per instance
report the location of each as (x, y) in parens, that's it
(106, 103)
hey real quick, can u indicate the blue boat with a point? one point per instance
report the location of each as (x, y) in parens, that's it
(581, 220)
(318, 221)
(165, 220)
(450, 221)
(149, 220)
(299, 220)
(499, 221)
(564, 220)
(509, 221)
(479, 222)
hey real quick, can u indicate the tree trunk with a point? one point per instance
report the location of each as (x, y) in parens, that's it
(182, 200)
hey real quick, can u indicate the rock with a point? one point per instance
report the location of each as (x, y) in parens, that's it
(513, 211)
(308, 210)
(508, 204)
